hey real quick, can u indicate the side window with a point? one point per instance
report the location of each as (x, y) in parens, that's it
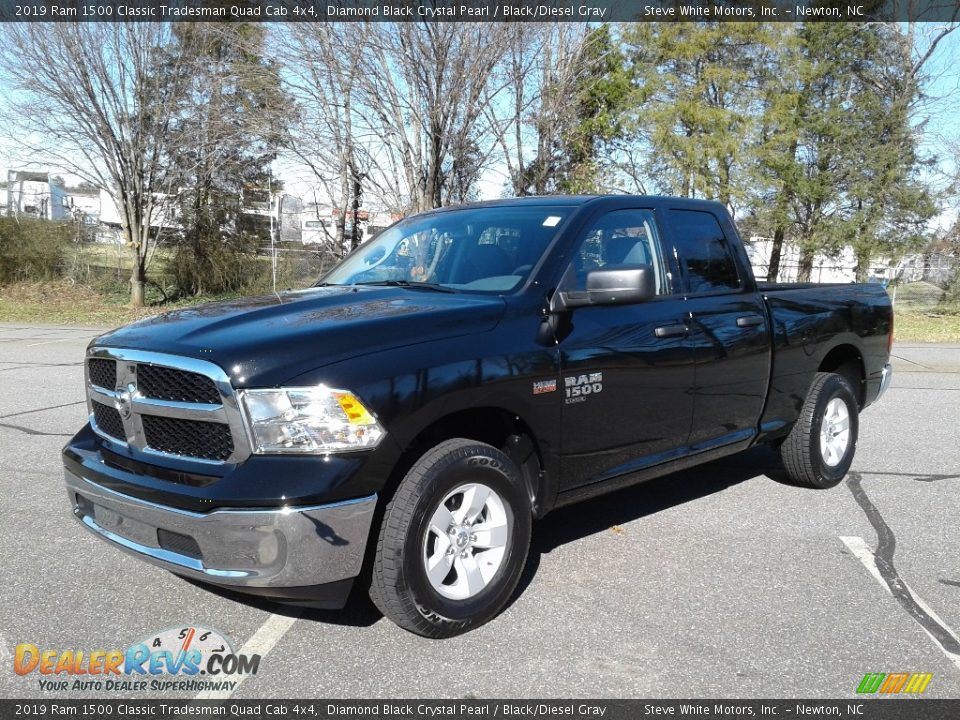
(621, 237)
(703, 251)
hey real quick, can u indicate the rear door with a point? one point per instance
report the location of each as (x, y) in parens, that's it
(728, 330)
(626, 370)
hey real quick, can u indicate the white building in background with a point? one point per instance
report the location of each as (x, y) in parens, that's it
(162, 217)
(837, 269)
(288, 215)
(35, 194)
(320, 224)
(285, 216)
(87, 201)
(44, 195)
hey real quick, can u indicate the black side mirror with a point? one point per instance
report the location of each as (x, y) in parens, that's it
(612, 285)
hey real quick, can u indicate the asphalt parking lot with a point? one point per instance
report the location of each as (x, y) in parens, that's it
(717, 582)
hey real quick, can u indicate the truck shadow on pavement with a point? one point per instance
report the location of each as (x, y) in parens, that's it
(563, 526)
(358, 612)
(603, 513)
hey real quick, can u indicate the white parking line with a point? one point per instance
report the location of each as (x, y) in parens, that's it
(862, 551)
(50, 342)
(260, 643)
(5, 656)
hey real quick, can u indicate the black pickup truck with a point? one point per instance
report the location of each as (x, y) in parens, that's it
(454, 378)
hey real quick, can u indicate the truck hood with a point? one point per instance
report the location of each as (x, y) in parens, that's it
(268, 340)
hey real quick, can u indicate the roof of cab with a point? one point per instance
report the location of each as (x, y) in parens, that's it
(577, 200)
(545, 200)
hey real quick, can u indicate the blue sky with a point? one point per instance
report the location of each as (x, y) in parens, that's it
(941, 133)
(944, 69)
(940, 138)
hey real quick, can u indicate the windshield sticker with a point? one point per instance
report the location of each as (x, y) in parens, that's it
(551, 221)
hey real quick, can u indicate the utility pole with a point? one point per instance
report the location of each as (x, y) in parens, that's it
(273, 245)
(357, 177)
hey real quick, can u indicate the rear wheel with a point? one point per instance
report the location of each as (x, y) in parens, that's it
(453, 540)
(819, 450)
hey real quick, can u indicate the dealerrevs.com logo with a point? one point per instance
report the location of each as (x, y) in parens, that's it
(199, 659)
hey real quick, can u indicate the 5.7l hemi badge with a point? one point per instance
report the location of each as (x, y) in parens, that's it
(544, 386)
(577, 387)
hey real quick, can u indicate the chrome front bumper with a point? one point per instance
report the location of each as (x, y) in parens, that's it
(286, 547)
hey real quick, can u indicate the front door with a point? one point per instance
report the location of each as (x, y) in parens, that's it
(627, 371)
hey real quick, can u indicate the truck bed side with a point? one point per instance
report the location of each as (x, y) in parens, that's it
(831, 328)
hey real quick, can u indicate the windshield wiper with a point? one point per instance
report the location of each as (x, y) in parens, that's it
(413, 285)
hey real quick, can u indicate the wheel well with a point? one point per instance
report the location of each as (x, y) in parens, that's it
(846, 360)
(503, 430)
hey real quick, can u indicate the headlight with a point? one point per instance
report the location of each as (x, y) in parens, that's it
(309, 420)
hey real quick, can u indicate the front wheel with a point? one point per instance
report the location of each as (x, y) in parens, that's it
(819, 450)
(453, 540)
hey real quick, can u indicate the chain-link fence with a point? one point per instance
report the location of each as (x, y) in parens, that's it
(929, 287)
(295, 268)
(97, 263)
(277, 268)
(923, 283)
(820, 272)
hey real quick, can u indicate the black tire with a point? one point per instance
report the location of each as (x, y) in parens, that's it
(399, 584)
(801, 453)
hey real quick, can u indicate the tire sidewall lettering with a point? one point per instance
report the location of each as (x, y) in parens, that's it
(444, 477)
(836, 388)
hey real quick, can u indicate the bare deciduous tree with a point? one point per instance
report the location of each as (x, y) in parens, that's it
(399, 109)
(423, 86)
(89, 99)
(323, 73)
(544, 70)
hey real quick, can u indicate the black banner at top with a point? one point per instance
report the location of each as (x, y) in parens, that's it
(479, 10)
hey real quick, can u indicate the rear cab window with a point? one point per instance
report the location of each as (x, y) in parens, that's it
(703, 252)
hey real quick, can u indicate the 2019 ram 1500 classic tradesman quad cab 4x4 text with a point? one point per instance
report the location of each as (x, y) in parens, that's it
(462, 373)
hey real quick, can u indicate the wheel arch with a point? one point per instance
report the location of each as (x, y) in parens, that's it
(503, 429)
(846, 360)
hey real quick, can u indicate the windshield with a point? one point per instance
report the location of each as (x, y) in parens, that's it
(488, 249)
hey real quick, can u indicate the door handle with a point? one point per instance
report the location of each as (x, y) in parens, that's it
(666, 331)
(749, 321)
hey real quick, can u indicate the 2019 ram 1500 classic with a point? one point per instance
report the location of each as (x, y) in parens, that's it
(457, 376)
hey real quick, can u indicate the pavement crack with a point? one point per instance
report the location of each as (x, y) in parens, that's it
(24, 363)
(912, 362)
(31, 431)
(930, 477)
(955, 583)
(36, 410)
(934, 478)
(883, 555)
(23, 366)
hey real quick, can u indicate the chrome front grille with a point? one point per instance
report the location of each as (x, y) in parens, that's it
(208, 440)
(103, 373)
(165, 405)
(109, 421)
(166, 383)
